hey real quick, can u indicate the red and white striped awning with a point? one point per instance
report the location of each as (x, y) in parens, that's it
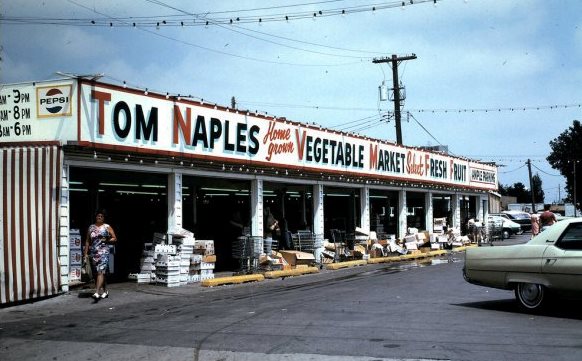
(30, 178)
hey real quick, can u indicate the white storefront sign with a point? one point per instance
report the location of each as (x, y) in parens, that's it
(130, 120)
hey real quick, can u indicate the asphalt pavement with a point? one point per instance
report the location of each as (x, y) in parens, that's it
(417, 309)
(127, 292)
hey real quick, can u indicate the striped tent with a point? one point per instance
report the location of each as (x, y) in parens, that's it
(30, 179)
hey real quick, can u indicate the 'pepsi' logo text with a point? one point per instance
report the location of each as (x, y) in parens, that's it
(54, 97)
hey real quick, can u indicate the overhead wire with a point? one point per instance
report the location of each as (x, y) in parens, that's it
(451, 111)
(514, 170)
(353, 121)
(371, 123)
(546, 173)
(221, 52)
(260, 18)
(233, 26)
(424, 128)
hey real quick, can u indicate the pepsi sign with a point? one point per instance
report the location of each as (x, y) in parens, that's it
(53, 101)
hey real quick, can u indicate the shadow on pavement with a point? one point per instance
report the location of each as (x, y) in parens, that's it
(558, 308)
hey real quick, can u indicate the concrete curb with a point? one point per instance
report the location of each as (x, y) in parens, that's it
(384, 259)
(232, 280)
(464, 248)
(292, 272)
(336, 266)
(332, 266)
(394, 258)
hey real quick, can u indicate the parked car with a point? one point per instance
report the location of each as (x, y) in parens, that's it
(550, 263)
(508, 227)
(523, 218)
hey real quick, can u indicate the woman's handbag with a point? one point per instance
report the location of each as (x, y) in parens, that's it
(86, 271)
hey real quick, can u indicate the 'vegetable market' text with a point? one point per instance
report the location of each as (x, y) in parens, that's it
(196, 129)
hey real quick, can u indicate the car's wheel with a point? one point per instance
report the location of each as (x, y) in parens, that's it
(530, 296)
(506, 234)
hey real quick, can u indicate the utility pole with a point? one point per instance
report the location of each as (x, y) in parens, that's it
(394, 61)
(531, 187)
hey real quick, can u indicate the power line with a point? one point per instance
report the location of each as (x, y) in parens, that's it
(426, 130)
(155, 33)
(492, 110)
(185, 20)
(354, 121)
(498, 109)
(514, 170)
(233, 28)
(546, 173)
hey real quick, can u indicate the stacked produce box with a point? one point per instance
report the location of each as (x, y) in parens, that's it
(176, 259)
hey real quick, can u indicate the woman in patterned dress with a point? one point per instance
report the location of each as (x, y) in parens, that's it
(99, 236)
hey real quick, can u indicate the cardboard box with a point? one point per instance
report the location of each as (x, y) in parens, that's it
(76, 257)
(75, 241)
(211, 258)
(75, 273)
(329, 246)
(410, 238)
(359, 250)
(206, 277)
(140, 277)
(165, 248)
(442, 239)
(375, 253)
(295, 258)
(411, 246)
(328, 254)
(202, 266)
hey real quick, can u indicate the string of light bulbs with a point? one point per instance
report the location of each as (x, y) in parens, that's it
(253, 34)
(499, 109)
(492, 110)
(221, 52)
(203, 19)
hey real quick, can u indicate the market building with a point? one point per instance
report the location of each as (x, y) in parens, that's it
(158, 162)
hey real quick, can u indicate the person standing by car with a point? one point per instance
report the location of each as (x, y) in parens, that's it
(535, 224)
(547, 218)
(99, 236)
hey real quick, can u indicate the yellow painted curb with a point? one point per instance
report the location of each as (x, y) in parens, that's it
(336, 266)
(437, 253)
(233, 279)
(463, 248)
(384, 259)
(413, 256)
(292, 272)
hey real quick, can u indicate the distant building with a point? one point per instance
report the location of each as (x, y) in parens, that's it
(437, 148)
(506, 201)
(495, 202)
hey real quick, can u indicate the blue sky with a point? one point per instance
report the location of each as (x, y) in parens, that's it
(472, 55)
